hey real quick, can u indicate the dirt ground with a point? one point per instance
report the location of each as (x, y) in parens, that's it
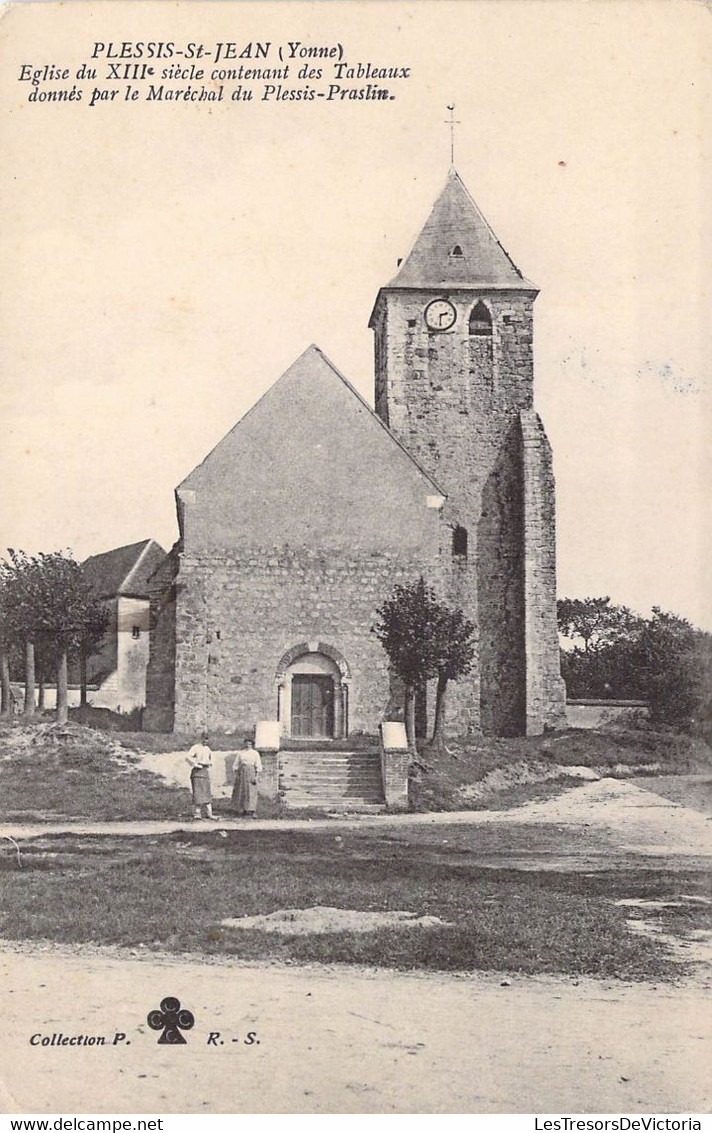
(366, 1041)
(352, 1041)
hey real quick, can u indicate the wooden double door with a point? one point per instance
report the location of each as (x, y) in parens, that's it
(312, 705)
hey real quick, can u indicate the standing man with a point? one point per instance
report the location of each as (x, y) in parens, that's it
(200, 760)
(248, 767)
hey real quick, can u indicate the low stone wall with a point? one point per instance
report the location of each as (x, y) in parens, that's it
(394, 769)
(172, 766)
(50, 700)
(269, 779)
(604, 713)
(174, 770)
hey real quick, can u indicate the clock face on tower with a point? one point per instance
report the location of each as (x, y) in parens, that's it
(440, 315)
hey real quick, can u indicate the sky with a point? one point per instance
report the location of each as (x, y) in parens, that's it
(164, 263)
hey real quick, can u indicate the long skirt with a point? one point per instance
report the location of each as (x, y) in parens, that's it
(200, 785)
(244, 793)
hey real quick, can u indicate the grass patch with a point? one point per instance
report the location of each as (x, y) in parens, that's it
(50, 772)
(80, 793)
(172, 893)
(510, 797)
(486, 772)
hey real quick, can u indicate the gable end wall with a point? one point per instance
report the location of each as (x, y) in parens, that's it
(236, 617)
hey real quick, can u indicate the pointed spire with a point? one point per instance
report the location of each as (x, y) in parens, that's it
(457, 248)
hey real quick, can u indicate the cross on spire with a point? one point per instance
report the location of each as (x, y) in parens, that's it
(452, 122)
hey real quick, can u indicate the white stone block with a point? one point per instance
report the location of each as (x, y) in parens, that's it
(267, 735)
(393, 737)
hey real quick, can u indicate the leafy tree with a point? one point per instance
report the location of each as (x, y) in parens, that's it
(669, 656)
(21, 604)
(48, 601)
(403, 630)
(662, 659)
(70, 615)
(5, 687)
(594, 621)
(455, 653)
(424, 638)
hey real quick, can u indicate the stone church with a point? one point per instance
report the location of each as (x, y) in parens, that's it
(297, 526)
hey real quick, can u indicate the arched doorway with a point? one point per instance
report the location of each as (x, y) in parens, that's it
(312, 693)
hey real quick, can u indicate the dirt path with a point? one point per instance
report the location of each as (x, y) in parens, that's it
(347, 1041)
(638, 820)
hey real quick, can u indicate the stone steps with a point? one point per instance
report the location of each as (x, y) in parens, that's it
(315, 802)
(331, 779)
(331, 791)
(347, 785)
(332, 768)
(348, 756)
(331, 772)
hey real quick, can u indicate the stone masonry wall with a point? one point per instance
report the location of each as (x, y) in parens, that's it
(454, 399)
(500, 588)
(545, 691)
(237, 615)
(437, 391)
(161, 671)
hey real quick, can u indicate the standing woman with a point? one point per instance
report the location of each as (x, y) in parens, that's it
(248, 767)
(200, 759)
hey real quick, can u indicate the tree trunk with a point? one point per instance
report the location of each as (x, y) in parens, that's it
(5, 683)
(40, 685)
(62, 708)
(421, 710)
(83, 678)
(29, 705)
(440, 699)
(410, 717)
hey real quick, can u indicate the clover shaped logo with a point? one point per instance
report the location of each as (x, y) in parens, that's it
(171, 1019)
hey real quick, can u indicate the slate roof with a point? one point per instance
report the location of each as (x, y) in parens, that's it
(121, 571)
(456, 223)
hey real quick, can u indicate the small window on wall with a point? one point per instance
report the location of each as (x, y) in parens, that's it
(457, 251)
(480, 321)
(459, 543)
(135, 631)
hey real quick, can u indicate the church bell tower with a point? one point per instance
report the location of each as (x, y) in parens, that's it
(454, 383)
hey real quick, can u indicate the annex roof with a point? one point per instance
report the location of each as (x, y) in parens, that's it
(124, 570)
